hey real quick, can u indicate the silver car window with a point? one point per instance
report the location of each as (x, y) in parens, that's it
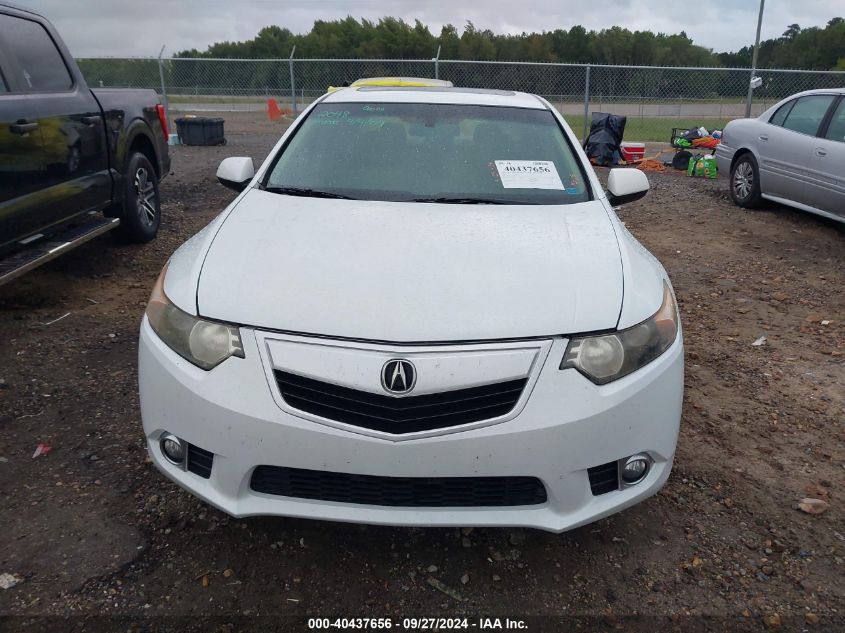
(836, 129)
(807, 114)
(780, 116)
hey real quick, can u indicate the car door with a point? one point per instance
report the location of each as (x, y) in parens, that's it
(75, 177)
(21, 160)
(786, 143)
(826, 183)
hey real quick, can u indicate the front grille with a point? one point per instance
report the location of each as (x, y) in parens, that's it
(399, 415)
(200, 461)
(412, 492)
(604, 478)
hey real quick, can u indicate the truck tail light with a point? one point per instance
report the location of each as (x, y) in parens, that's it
(162, 118)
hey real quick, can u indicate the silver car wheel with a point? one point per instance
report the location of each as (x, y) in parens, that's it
(146, 196)
(743, 180)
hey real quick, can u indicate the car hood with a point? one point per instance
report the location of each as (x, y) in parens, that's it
(412, 272)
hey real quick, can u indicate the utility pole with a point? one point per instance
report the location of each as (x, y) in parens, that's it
(754, 61)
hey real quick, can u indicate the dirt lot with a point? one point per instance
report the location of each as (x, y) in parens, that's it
(93, 532)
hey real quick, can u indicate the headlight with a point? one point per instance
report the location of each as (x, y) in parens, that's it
(206, 344)
(608, 357)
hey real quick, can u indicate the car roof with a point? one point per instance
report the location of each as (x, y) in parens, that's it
(432, 94)
(819, 91)
(14, 7)
(400, 81)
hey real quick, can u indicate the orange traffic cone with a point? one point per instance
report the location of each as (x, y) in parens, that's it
(273, 111)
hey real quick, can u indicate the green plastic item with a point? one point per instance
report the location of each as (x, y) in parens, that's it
(702, 166)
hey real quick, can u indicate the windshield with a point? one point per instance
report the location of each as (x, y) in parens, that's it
(430, 153)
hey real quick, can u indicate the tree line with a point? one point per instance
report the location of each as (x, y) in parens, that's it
(813, 48)
(817, 48)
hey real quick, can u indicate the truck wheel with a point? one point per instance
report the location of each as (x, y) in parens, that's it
(745, 182)
(140, 215)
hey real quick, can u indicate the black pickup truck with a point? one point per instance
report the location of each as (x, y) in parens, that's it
(74, 162)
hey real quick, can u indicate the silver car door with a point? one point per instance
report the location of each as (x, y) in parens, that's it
(826, 182)
(785, 150)
(772, 141)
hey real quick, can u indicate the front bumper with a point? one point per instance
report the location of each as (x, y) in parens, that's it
(724, 158)
(567, 425)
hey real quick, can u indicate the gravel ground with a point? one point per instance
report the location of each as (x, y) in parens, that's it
(91, 532)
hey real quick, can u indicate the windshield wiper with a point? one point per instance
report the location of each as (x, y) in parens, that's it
(308, 193)
(445, 200)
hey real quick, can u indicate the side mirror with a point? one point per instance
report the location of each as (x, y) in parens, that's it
(235, 172)
(625, 185)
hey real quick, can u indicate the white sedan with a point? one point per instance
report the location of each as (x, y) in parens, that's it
(793, 153)
(420, 310)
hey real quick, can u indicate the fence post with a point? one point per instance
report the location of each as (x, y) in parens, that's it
(586, 103)
(163, 87)
(437, 64)
(292, 86)
(750, 96)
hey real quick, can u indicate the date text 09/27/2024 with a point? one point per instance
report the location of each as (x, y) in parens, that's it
(417, 624)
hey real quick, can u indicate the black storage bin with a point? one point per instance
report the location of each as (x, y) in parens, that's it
(200, 131)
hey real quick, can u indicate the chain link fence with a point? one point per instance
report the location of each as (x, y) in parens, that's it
(655, 99)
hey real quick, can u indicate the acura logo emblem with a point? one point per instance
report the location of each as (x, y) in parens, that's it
(398, 376)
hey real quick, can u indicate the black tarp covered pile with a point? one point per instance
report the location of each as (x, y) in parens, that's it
(606, 132)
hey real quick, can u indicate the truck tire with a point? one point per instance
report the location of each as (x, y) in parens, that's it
(140, 214)
(745, 182)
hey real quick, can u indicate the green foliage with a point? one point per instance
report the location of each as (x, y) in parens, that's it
(812, 48)
(120, 73)
(393, 38)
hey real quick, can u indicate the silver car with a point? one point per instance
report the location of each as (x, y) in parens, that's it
(793, 153)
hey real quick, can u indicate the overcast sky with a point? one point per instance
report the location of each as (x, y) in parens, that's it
(140, 27)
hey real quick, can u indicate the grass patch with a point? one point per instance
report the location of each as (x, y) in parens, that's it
(651, 129)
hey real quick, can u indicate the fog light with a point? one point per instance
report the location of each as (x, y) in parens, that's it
(635, 469)
(173, 448)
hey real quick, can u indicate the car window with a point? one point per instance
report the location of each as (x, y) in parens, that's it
(412, 151)
(780, 116)
(39, 62)
(807, 114)
(836, 129)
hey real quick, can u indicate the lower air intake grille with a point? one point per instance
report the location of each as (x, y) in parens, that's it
(200, 461)
(412, 492)
(604, 478)
(399, 415)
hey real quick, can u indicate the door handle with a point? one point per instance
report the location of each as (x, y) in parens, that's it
(764, 137)
(90, 120)
(23, 127)
(820, 151)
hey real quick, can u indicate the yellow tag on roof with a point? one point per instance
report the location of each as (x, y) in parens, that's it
(409, 82)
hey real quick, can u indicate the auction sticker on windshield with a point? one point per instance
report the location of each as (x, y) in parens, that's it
(528, 174)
